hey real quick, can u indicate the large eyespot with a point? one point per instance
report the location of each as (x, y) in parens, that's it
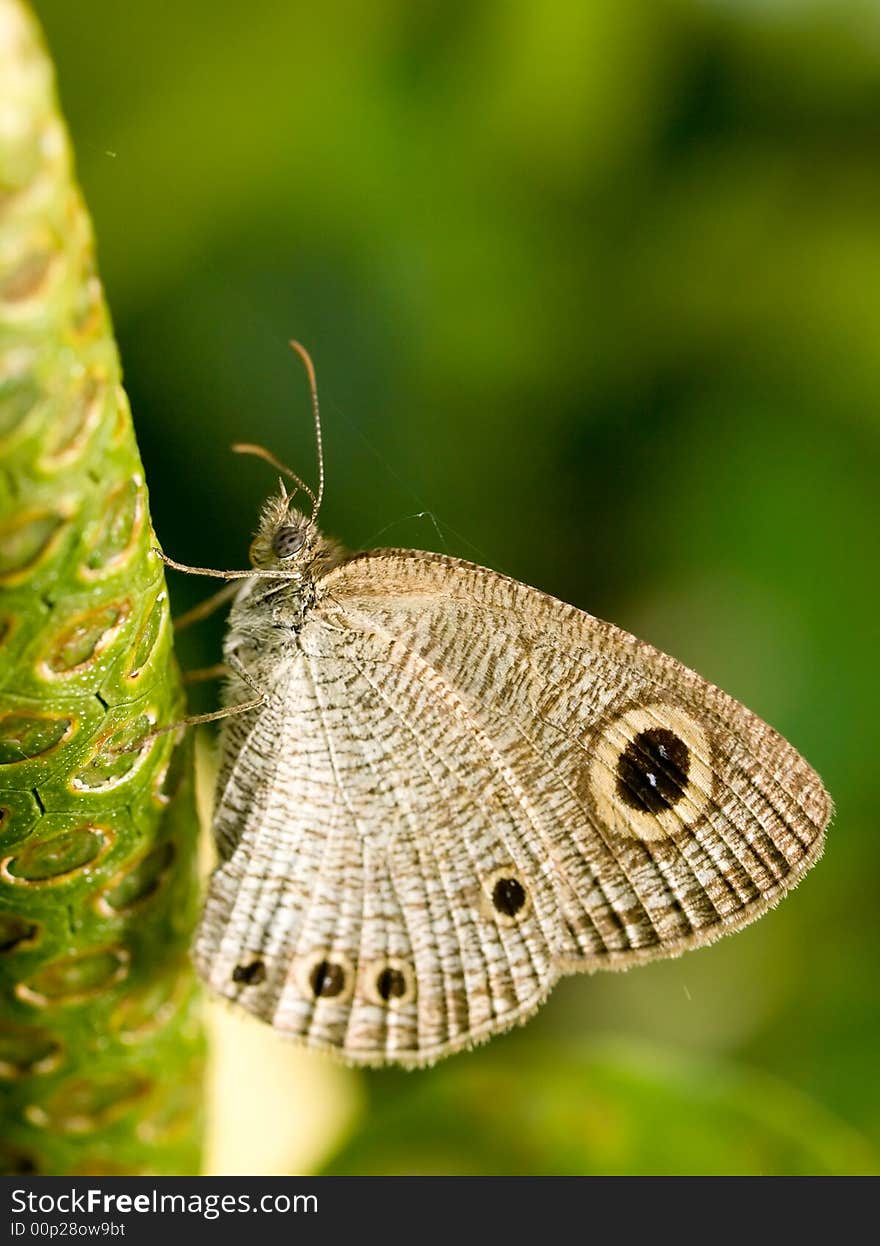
(288, 540)
(651, 771)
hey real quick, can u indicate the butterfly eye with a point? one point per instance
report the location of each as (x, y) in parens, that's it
(288, 541)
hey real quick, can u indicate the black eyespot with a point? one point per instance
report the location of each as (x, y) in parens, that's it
(652, 772)
(288, 541)
(508, 896)
(327, 979)
(251, 975)
(391, 984)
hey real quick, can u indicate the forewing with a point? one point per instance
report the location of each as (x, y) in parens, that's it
(667, 812)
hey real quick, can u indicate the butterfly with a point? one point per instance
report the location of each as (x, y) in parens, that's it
(440, 790)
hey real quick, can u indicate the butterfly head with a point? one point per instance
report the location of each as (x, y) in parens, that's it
(286, 539)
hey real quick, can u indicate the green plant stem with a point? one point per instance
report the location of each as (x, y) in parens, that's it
(100, 1040)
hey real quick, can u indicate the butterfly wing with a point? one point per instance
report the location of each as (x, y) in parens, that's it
(363, 834)
(672, 814)
(465, 788)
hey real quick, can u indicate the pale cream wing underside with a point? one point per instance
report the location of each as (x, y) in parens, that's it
(483, 787)
(364, 827)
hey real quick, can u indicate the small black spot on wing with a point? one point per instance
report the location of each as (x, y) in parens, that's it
(507, 899)
(508, 896)
(327, 979)
(251, 974)
(391, 984)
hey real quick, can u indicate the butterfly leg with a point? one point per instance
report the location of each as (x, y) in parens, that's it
(205, 608)
(192, 720)
(204, 673)
(253, 573)
(182, 566)
(195, 720)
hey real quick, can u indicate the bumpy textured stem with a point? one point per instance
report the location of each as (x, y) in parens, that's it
(100, 1042)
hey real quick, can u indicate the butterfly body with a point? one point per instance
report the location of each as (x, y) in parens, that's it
(457, 788)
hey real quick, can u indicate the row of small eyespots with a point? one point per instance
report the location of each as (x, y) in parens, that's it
(390, 981)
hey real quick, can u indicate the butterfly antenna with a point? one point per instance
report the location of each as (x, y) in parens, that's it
(313, 387)
(260, 452)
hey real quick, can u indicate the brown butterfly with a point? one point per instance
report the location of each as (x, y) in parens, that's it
(441, 789)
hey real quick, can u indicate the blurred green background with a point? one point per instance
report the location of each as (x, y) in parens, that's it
(593, 291)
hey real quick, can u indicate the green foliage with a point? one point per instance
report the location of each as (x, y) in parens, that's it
(613, 1107)
(100, 1046)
